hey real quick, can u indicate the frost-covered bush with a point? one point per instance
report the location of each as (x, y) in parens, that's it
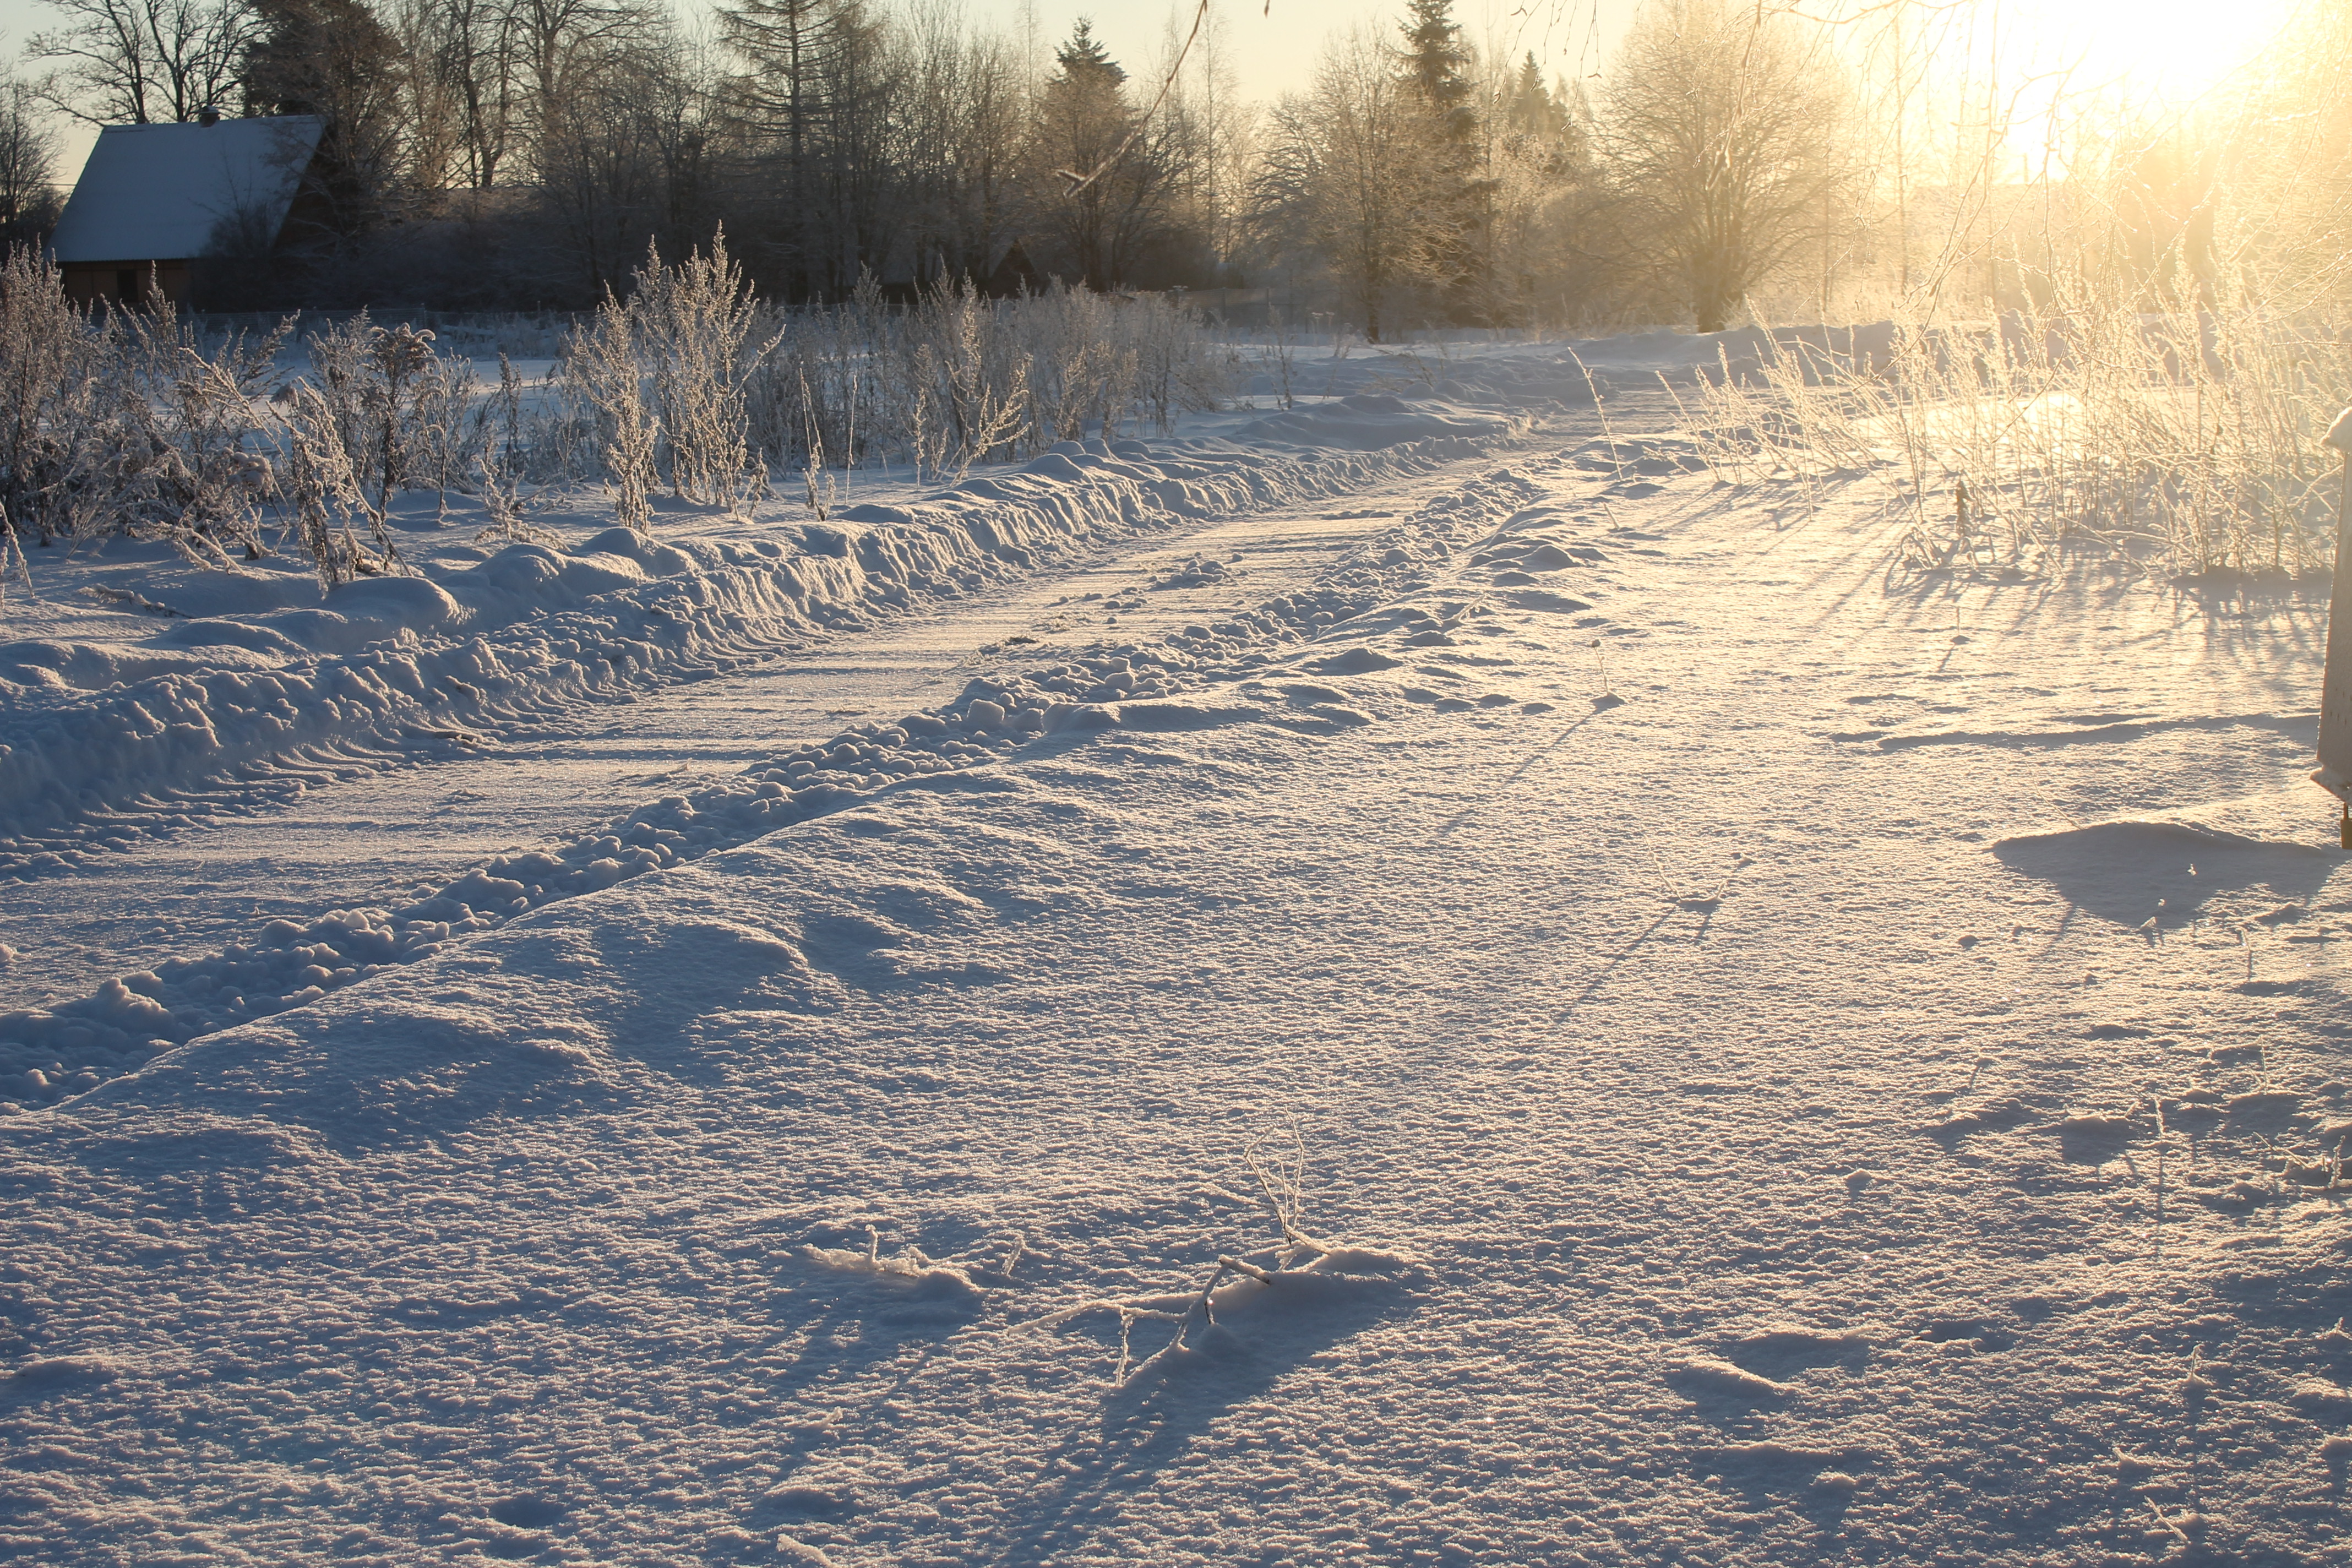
(125, 423)
(133, 421)
(405, 414)
(689, 384)
(955, 378)
(663, 378)
(49, 369)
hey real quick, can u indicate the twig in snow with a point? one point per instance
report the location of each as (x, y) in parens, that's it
(1282, 1185)
(12, 558)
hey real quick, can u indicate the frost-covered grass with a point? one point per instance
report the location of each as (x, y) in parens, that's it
(2187, 437)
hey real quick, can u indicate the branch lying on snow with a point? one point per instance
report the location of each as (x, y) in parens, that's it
(1339, 1268)
(137, 603)
(1284, 1187)
(915, 1270)
(911, 1270)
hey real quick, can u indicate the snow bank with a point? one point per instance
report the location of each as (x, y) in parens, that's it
(103, 740)
(1147, 688)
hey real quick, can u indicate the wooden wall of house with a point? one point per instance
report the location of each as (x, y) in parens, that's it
(88, 283)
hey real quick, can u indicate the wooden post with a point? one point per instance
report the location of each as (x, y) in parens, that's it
(2335, 773)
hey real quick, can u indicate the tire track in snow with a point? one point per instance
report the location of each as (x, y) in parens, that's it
(88, 772)
(289, 964)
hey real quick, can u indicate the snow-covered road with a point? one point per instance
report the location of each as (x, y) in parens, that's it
(1845, 1078)
(387, 826)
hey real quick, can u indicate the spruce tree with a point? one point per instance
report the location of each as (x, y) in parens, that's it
(1084, 60)
(1531, 112)
(1083, 118)
(1434, 66)
(1437, 66)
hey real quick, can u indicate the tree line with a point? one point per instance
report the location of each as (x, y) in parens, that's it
(524, 154)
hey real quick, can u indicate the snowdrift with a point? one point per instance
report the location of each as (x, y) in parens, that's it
(1144, 688)
(238, 689)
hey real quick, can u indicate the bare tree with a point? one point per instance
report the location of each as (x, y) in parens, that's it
(463, 89)
(961, 123)
(1347, 177)
(633, 161)
(560, 47)
(1219, 131)
(2296, 173)
(29, 157)
(333, 59)
(139, 62)
(1721, 127)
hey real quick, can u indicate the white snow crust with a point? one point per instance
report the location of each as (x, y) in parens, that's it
(1602, 1026)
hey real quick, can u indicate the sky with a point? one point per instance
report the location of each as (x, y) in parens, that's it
(2172, 46)
(1272, 44)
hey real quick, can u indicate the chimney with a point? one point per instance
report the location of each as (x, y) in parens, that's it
(208, 115)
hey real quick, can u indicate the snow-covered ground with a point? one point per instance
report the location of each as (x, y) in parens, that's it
(1572, 1015)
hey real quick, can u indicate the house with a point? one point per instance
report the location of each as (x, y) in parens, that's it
(153, 198)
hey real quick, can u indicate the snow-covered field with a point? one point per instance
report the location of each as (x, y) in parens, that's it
(1447, 993)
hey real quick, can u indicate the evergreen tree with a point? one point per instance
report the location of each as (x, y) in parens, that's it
(1437, 68)
(1530, 110)
(1084, 61)
(1434, 67)
(333, 59)
(1083, 118)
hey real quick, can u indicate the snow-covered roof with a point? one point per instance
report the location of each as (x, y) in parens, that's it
(155, 193)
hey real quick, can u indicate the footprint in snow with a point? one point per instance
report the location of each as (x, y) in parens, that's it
(2093, 1138)
(1824, 1476)
(1994, 1116)
(1965, 1335)
(1778, 1352)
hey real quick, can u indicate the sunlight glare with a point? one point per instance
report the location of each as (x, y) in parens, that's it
(2167, 48)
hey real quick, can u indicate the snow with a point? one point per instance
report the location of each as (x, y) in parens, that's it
(1315, 1071)
(249, 667)
(1524, 377)
(156, 192)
